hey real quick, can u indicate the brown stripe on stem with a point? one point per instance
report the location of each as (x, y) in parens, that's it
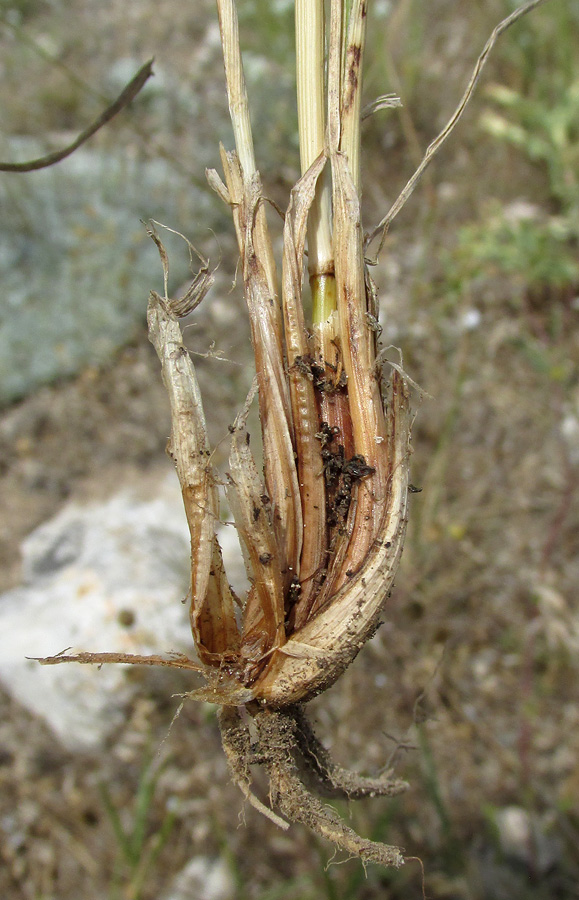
(304, 409)
(365, 400)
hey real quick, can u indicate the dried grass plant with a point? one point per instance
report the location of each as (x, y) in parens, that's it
(323, 529)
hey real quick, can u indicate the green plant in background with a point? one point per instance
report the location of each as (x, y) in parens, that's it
(138, 845)
(547, 134)
(536, 250)
(21, 9)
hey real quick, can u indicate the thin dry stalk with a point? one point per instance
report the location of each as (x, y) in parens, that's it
(311, 101)
(351, 94)
(382, 227)
(125, 97)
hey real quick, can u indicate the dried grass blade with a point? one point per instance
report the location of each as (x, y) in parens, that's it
(127, 95)
(175, 661)
(203, 279)
(212, 615)
(435, 145)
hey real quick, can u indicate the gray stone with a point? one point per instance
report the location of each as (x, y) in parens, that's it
(76, 264)
(203, 879)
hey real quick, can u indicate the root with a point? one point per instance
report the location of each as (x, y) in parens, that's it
(237, 746)
(290, 794)
(292, 757)
(331, 780)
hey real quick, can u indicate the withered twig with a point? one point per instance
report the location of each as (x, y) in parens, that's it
(128, 94)
(433, 148)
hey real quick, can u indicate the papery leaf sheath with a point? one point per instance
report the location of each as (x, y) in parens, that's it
(304, 408)
(317, 654)
(263, 619)
(357, 347)
(274, 405)
(212, 612)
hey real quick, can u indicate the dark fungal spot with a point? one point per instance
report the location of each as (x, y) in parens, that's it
(126, 618)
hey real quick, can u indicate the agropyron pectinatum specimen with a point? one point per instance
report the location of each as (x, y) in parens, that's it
(323, 529)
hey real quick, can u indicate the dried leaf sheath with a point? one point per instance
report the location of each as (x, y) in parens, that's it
(274, 405)
(352, 88)
(212, 611)
(357, 347)
(317, 654)
(304, 408)
(263, 619)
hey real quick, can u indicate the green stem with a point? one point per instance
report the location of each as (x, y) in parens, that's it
(323, 289)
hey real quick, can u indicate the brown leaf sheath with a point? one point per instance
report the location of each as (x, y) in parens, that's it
(263, 620)
(212, 614)
(339, 540)
(316, 655)
(274, 406)
(217, 617)
(365, 400)
(303, 400)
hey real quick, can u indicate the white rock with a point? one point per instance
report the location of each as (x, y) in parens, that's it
(570, 433)
(515, 832)
(470, 319)
(202, 879)
(523, 837)
(85, 572)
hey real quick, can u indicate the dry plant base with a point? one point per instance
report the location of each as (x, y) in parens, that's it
(323, 529)
(259, 690)
(297, 764)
